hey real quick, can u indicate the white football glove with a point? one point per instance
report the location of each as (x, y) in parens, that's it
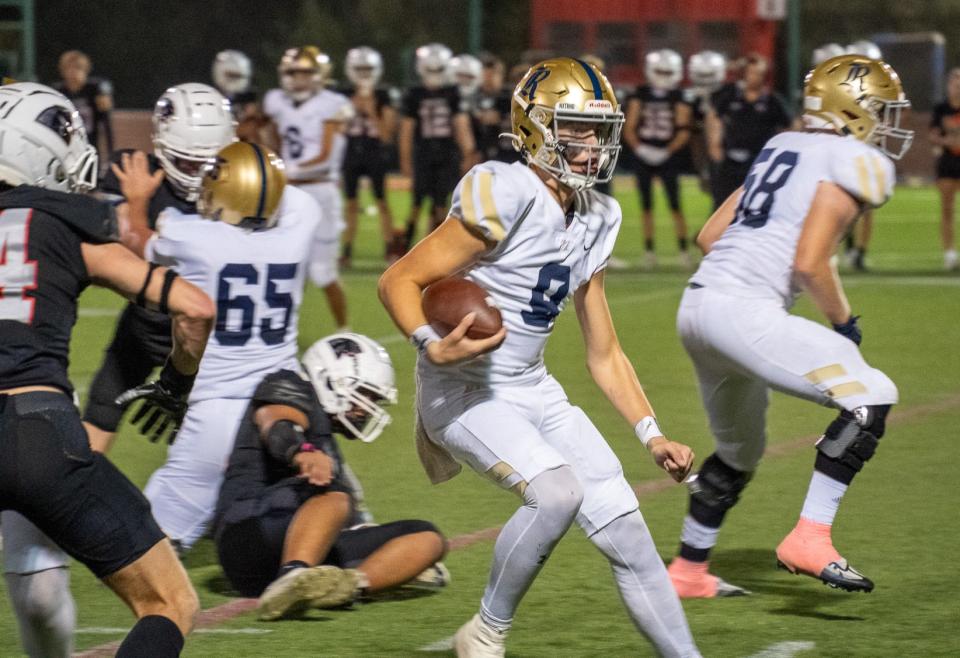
(652, 155)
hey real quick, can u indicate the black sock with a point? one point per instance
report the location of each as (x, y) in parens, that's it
(648, 244)
(692, 554)
(682, 243)
(154, 636)
(287, 567)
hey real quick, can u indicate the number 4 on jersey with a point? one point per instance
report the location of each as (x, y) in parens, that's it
(18, 274)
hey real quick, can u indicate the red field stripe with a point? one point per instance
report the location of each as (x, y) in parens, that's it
(219, 614)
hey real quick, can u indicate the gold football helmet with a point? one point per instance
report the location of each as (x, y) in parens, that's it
(298, 63)
(859, 96)
(243, 186)
(567, 91)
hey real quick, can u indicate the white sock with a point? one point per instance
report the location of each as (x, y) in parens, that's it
(823, 498)
(697, 535)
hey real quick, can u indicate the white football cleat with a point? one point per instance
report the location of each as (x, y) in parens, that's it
(433, 577)
(477, 639)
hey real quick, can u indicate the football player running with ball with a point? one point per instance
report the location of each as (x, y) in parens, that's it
(533, 235)
(768, 241)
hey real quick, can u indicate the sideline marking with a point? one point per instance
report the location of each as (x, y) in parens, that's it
(784, 650)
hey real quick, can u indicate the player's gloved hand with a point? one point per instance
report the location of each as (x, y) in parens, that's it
(850, 329)
(457, 346)
(164, 403)
(675, 458)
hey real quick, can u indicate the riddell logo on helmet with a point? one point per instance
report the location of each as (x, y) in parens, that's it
(599, 106)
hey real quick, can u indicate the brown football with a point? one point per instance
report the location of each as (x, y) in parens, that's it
(446, 302)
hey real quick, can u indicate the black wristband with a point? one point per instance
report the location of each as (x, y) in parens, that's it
(175, 381)
(142, 295)
(168, 278)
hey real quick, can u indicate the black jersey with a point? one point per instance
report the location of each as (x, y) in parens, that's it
(658, 115)
(946, 120)
(41, 276)
(164, 197)
(363, 129)
(85, 100)
(433, 110)
(251, 468)
(490, 117)
(748, 125)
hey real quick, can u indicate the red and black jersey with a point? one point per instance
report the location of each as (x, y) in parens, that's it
(433, 110)
(658, 114)
(365, 123)
(42, 274)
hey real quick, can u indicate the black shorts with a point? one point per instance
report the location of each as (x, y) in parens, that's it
(948, 166)
(75, 496)
(250, 549)
(369, 161)
(729, 176)
(669, 175)
(141, 343)
(435, 174)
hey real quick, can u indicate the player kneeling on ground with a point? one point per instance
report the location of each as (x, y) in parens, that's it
(773, 237)
(285, 503)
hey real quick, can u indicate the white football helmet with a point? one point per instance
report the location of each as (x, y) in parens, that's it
(363, 67)
(43, 141)
(353, 376)
(663, 68)
(433, 63)
(231, 72)
(865, 48)
(466, 72)
(191, 123)
(707, 70)
(827, 51)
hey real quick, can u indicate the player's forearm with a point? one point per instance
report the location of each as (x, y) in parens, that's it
(822, 282)
(401, 296)
(135, 230)
(192, 314)
(615, 376)
(718, 222)
(678, 142)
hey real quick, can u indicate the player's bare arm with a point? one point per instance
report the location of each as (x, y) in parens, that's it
(631, 122)
(831, 215)
(463, 133)
(138, 186)
(330, 131)
(444, 252)
(714, 128)
(112, 266)
(315, 466)
(718, 222)
(405, 146)
(683, 116)
(387, 125)
(615, 376)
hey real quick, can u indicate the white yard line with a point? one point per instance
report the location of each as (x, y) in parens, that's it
(784, 649)
(97, 312)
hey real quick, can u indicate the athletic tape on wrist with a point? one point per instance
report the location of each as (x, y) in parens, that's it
(647, 429)
(422, 336)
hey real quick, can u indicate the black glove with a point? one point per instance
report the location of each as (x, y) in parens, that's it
(850, 329)
(164, 403)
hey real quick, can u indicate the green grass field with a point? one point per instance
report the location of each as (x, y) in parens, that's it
(898, 523)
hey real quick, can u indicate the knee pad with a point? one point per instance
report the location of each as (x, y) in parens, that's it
(557, 493)
(717, 487)
(852, 438)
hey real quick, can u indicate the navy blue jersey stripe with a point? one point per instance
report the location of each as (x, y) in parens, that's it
(594, 80)
(263, 180)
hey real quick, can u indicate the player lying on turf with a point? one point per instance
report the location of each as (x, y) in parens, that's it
(54, 245)
(532, 235)
(771, 239)
(284, 506)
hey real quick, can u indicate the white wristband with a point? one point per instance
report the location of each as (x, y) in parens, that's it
(423, 336)
(647, 429)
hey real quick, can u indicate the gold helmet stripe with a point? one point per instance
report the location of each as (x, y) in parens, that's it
(594, 80)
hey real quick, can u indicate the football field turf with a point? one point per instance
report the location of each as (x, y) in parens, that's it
(898, 523)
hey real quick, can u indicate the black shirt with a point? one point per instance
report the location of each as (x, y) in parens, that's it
(433, 110)
(658, 115)
(748, 125)
(946, 119)
(85, 100)
(489, 143)
(43, 274)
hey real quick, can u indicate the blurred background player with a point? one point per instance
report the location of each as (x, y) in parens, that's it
(491, 113)
(858, 240)
(436, 142)
(263, 241)
(503, 414)
(309, 120)
(466, 72)
(284, 508)
(371, 133)
(231, 73)
(191, 123)
(707, 71)
(657, 128)
(945, 133)
(56, 243)
(743, 115)
(91, 95)
(771, 239)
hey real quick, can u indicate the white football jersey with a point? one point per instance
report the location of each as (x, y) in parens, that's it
(538, 262)
(301, 128)
(255, 278)
(754, 256)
